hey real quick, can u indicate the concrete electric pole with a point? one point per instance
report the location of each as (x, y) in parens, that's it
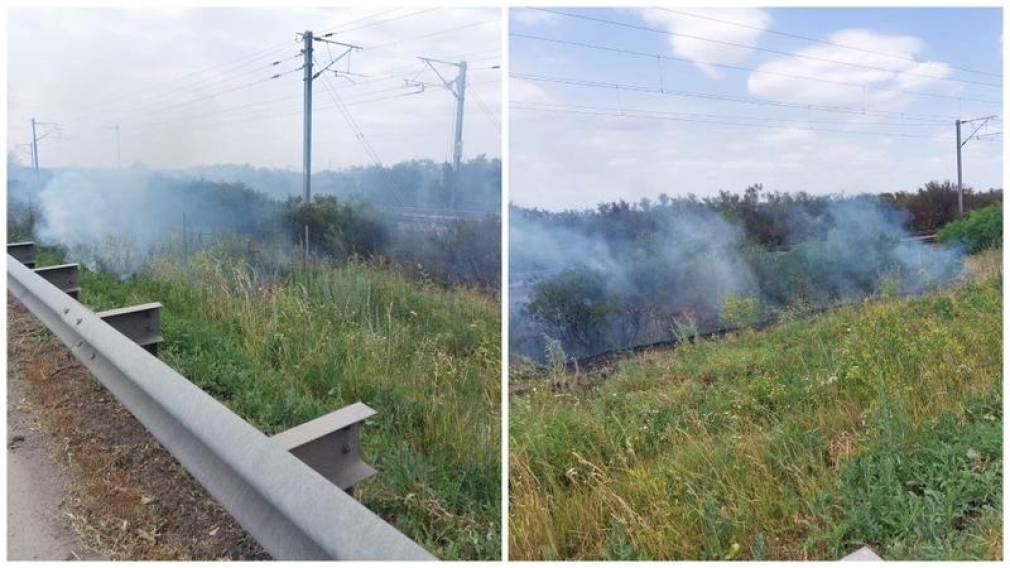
(457, 147)
(960, 144)
(35, 150)
(307, 119)
(51, 128)
(308, 77)
(457, 87)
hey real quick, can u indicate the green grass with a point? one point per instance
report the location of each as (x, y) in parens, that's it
(879, 423)
(281, 354)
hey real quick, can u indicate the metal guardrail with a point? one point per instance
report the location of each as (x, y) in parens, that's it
(292, 510)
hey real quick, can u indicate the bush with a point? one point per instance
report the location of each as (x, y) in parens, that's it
(740, 311)
(576, 303)
(981, 229)
(339, 229)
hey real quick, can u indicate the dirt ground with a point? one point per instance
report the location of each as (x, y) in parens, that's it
(90, 480)
(36, 528)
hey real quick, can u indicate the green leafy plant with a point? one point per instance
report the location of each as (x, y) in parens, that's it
(980, 230)
(740, 311)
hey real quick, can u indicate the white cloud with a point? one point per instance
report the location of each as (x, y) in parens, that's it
(530, 17)
(701, 51)
(523, 91)
(889, 72)
(789, 135)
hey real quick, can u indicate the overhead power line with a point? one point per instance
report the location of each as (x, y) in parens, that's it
(344, 25)
(215, 94)
(172, 97)
(923, 117)
(271, 114)
(387, 45)
(622, 113)
(748, 69)
(340, 29)
(231, 65)
(764, 49)
(737, 117)
(487, 111)
(353, 124)
(158, 87)
(822, 41)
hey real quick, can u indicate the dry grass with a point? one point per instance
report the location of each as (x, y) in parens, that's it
(128, 498)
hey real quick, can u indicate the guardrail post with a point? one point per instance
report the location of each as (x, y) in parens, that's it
(141, 323)
(23, 252)
(864, 554)
(63, 276)
(331, 445)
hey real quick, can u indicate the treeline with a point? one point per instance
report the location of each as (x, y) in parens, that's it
(411, 184)
(770, 219)
(625, 274)
(117, 220)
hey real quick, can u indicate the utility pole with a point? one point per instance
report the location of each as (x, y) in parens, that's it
(457, 147)
(960, 144)
(308, 77)
(52, 128)
(35, 150)
(457, 87)
(307, 119)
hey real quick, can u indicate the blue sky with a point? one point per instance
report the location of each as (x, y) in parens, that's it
(573, 146)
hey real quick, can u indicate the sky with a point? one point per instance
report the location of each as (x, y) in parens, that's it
(192, 86)
(868, 106)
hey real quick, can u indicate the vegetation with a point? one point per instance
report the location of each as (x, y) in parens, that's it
(620, 276)
(411, 184)
(337, 229)
(464, 252)
(981, 229)
(879, 423)
(769, 219)
(284, 349)
(741, 312)
(354, 213)
(576, 303)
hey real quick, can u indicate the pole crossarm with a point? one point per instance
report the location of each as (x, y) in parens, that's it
(985, 120)
(448, 84)
(350, 48)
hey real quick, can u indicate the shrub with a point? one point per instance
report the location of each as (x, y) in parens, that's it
(740, 311)
(981, 229)
(339, 229)
(575, 302)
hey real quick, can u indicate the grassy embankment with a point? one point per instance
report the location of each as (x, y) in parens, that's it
(879, 423)
(425, 358)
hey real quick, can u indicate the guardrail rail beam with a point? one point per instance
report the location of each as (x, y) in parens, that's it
(331, 445)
